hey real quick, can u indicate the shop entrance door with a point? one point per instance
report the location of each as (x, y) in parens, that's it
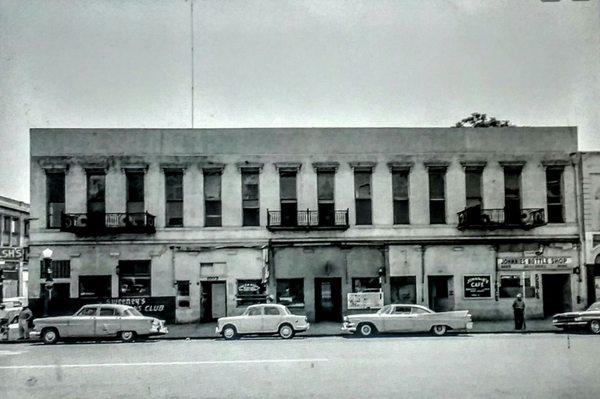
(213, 300)
(441, 293)
(557, 293)
(328, 299)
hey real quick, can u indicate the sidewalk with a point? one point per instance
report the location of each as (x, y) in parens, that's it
(323, 329)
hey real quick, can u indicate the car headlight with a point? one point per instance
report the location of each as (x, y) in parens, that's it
(579, 319)
(346, 319)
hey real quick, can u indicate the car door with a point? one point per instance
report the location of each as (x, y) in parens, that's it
(398, 320)
(83, 323)
(271, 319)
(422, 320)
(252, 321)
(108, 322)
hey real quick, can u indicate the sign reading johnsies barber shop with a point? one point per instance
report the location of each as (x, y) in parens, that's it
(478, 286)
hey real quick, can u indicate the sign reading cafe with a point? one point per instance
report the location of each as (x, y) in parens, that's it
(478, 286)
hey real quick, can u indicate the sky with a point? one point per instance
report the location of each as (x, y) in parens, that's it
(283, 63)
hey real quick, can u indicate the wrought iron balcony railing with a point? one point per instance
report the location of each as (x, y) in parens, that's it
(489, 219)
(307, 220)
(108, 223)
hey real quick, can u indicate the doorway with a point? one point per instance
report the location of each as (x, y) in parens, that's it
(441, 293)
(213, 300)
(557, 293)
(328, 299)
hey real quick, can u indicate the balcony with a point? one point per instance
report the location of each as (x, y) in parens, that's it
(95, 224)
(491, 219)
(307, 220)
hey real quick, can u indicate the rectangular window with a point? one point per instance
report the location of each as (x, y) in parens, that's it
(212, 199)
(174, 198)
(437, 196)
(134, 278)
(288, 198)
(15, 240)
(26, 228)
(366, 284)
(135, 192)
(403, 289)
(512, 195)
(250, 201)
(94, 286)
(183, 288)
(290, 292)
(362, 196)
(326, 197)
(60, 269)
(6, 226)
(250, 292)
(55, 198)
(400, 193)
(554, 195)
(511, 285)
(96, 192)
(473, 177)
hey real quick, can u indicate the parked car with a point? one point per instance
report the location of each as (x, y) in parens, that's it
(263, 319)
(98, 321)
(407, 318)
(589, 318)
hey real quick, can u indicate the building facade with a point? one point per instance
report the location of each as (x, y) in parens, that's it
(589, 193)
(197, 224)
(14, 236)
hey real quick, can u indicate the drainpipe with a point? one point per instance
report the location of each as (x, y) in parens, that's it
(576, 162)
(422, 248)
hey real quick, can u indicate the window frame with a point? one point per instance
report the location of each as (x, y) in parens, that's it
(138, 174)
(550, 197)
(437, 201)
(52, 174)
(247, 210)
(399, 199)
(213, 219)
(170, 173)
(364, 203)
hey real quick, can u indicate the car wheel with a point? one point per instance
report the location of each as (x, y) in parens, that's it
(50, 336)
(286, 331)
(229, 332)
(365, 330)
(595, 326)
(439, 330)
(127, 336)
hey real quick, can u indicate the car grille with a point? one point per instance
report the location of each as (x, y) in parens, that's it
(564, 319)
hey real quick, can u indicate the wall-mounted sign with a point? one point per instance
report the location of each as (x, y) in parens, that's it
(11, 253)
(365, 300)
(160, 307)
(248, 288)
(534, 262)
(479, 286)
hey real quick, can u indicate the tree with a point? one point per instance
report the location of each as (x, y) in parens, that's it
(481, 120)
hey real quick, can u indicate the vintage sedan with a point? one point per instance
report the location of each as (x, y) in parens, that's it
(407, 318)
(589, 318)
(98, 321)
(262, 319)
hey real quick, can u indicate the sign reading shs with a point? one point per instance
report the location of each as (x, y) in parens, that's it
(11, 253)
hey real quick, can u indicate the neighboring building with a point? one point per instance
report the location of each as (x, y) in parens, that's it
(14, 234)
(196, 224)
(589, 192)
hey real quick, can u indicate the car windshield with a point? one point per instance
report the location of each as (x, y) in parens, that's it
(132, 312)
(595, 307)
(384, 309)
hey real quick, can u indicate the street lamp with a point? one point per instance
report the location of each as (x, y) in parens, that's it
(49, 283)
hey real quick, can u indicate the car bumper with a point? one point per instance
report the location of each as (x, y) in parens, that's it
(561, 324)
(159, 331)
(35, 335)
(348, 327)
(469, 325)
(302, 328)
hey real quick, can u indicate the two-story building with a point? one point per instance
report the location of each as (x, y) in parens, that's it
(196, 224)
(14, 234)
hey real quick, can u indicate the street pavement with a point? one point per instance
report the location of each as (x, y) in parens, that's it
(399, 366)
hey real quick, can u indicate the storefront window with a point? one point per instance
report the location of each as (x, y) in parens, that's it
(94, 286)
(250, 292)
(134, 278)
(404, 289)
(511, 285)
(366, 284)
(290, 292)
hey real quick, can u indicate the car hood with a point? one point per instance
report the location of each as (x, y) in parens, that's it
(568, 314)
(222, 320)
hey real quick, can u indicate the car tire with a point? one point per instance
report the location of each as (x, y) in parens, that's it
(439, 330)
(229, 332)
(286, 331)
(50, 336)
(127, 336)
(366, 330)
(595, 326)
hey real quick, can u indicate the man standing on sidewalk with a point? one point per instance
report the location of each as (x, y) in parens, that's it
(519, 312)
(24, 318)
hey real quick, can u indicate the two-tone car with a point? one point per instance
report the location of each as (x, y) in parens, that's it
(97, 322)
(398, 318)
(589, 318)
(267, 319)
